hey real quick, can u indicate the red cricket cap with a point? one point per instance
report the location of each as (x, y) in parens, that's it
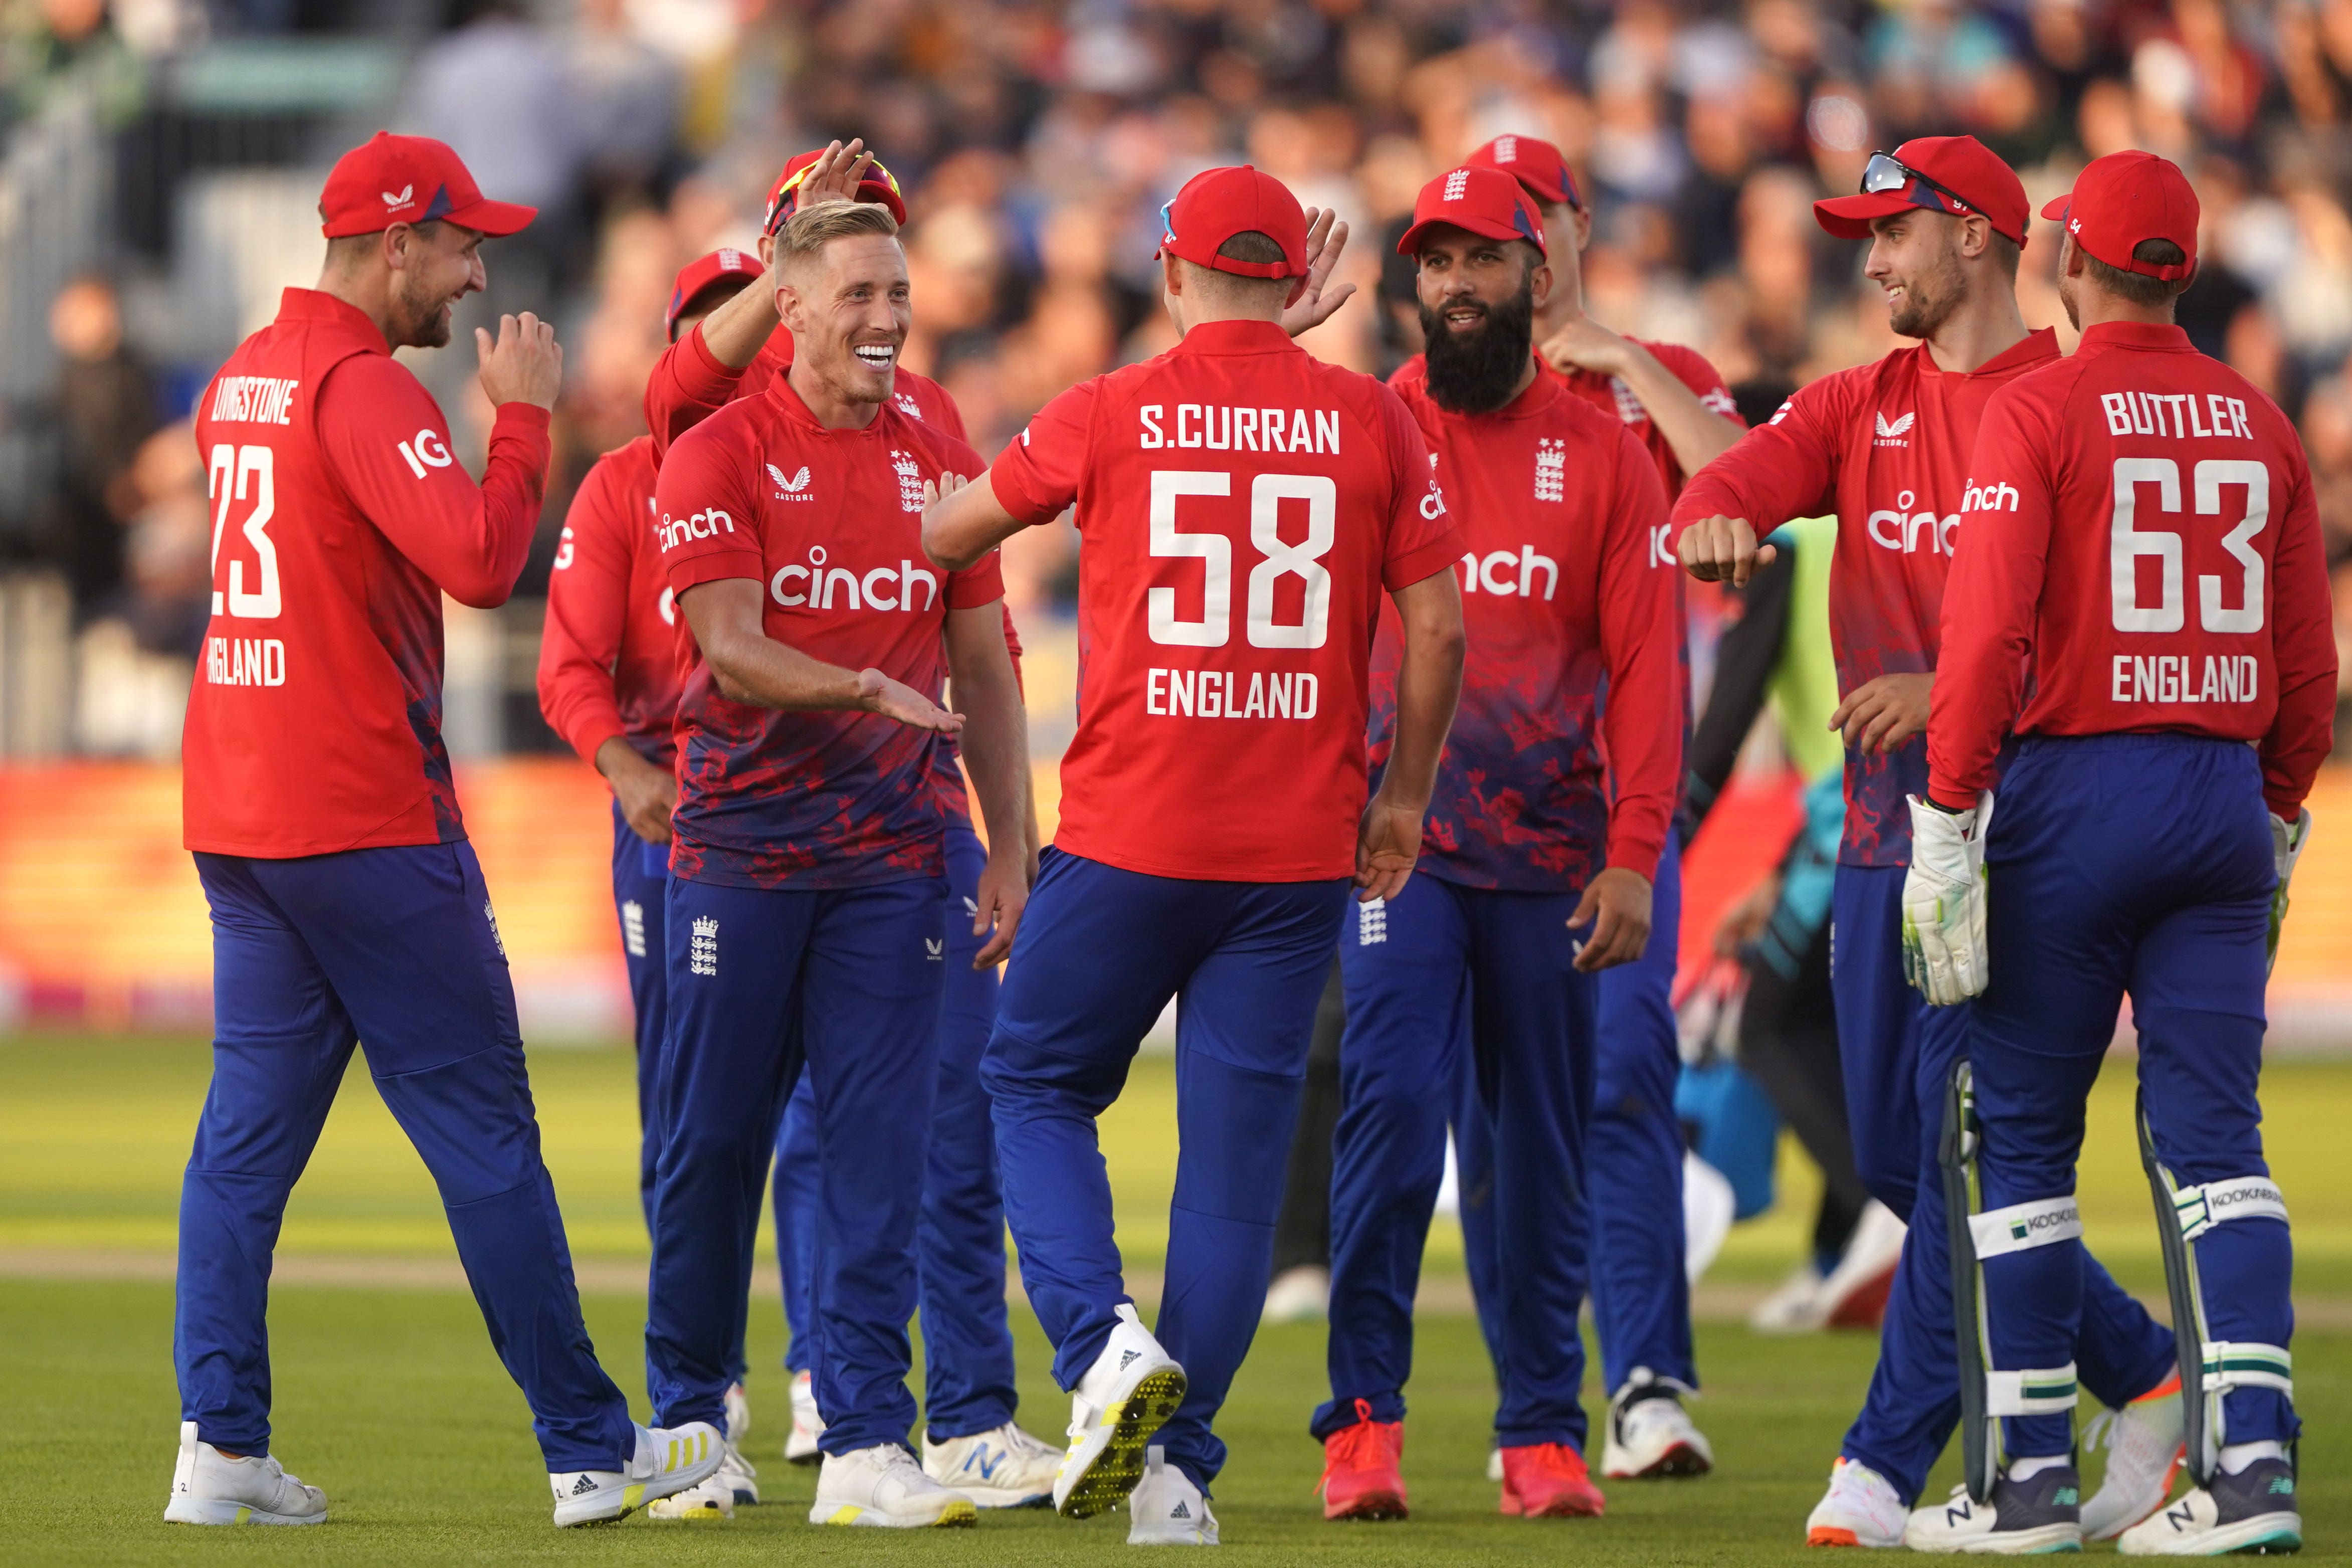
(1485, 201)
(1955, 174)
(699, 276)
(2126, 197)
(1217, 204)
(879, 186)
(1535, 163)
(391, 179)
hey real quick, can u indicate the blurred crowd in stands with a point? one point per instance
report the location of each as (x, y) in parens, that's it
(1037, 140)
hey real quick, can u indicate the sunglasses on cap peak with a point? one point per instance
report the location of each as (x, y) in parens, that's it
(787, 198)
(1884, 173)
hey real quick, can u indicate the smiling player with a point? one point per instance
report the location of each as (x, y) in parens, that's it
(1885, 446)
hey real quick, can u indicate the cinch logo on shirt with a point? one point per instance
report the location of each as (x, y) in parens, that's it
(254, 399)
(1899, 530)
(1508, 571)
(2175, 414)
(673, 531)
(818, 587)
(1891, 433)
(1218, 429)
(1989, 498)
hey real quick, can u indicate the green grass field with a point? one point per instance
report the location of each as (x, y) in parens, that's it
(389, 1397)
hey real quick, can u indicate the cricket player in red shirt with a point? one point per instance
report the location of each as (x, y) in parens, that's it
(1886, 447)
(346, 903)
(1243, 507)
(1677, 405)
(608, 683)
(2140, 536)
(808, 906)
(1565, 593)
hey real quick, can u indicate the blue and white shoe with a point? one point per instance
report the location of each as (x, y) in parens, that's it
(1006, 1468)
(668, 1460)
(2041, 1513)
(2252, 1512)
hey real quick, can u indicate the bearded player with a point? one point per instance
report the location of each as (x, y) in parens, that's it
(1565, 593)
(2142, 536)
(1242, 508)
(1886, 447)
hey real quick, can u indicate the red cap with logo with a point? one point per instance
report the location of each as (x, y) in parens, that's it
(1535, 163)
(1217, 204)
(1484, 201)
(1953, 174)
(391, 179)
(878, 185)
(736, 268)
(2124, 198)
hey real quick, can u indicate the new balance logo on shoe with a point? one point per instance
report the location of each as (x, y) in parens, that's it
(1960, 1513)
(583, 1485)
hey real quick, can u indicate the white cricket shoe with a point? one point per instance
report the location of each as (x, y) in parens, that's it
(735, 1483)
(883, 1486)
(668, 1460)
(1128, 1393)
(1650, 1433)
(2252, 1512)
(2145, 1452)
(1793, 1307)
(1494, 1464)
(739, 1414)
(1300, 1295)
(210, 1488)
(2040, 1513)
(1861, 1509)
(1168, 1509)
(1003, 1469)
(800, 1443)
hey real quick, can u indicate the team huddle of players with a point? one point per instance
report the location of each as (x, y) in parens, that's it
(759, 610)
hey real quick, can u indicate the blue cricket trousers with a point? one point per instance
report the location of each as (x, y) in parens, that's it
(1437, 972)
(641, 900)
(762, 983)
(968, 1370)
(1100, 952)
(397, 947)
(2139, 866)
(1899, 1054)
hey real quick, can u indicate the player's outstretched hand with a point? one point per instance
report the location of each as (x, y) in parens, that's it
(1616, 905)
(878, 693)
(1325, 238)
(1388, 842)
(1882, 714)
(937, 491)
(834, 176)
(524, 364)
(1002, 897)
(1723, 550)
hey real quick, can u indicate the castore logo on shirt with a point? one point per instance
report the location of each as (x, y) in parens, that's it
(794, 488)
(1891, 432)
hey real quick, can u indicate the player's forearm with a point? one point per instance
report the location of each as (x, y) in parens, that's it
(1428, 687)
(752, 666)
(996, 745)
(1697, 433)
(689, 384)
(1967, 716)
(577, 702)
(735, 332)
(2299, 738)
(472, 543)
(1763, 476)
(964, 525)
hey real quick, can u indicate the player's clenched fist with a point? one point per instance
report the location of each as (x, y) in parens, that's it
(1722, 550)
(524, 364)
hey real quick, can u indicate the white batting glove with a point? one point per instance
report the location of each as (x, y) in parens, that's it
(2286, 848)
(1944, 901)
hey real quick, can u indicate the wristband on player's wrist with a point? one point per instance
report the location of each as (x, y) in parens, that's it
(1947, 810)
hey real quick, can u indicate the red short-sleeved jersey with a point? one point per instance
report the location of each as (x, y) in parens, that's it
(829, 522)
(340, 518)
(1885, 446)
(1564, 595)
(2141, 551)
(1241, 506)
(1611, 396)
(689, 384)
(608, 658)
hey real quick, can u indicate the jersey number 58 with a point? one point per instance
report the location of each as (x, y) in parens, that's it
(1303, 559)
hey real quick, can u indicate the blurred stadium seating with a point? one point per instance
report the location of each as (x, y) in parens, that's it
(159, 162)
